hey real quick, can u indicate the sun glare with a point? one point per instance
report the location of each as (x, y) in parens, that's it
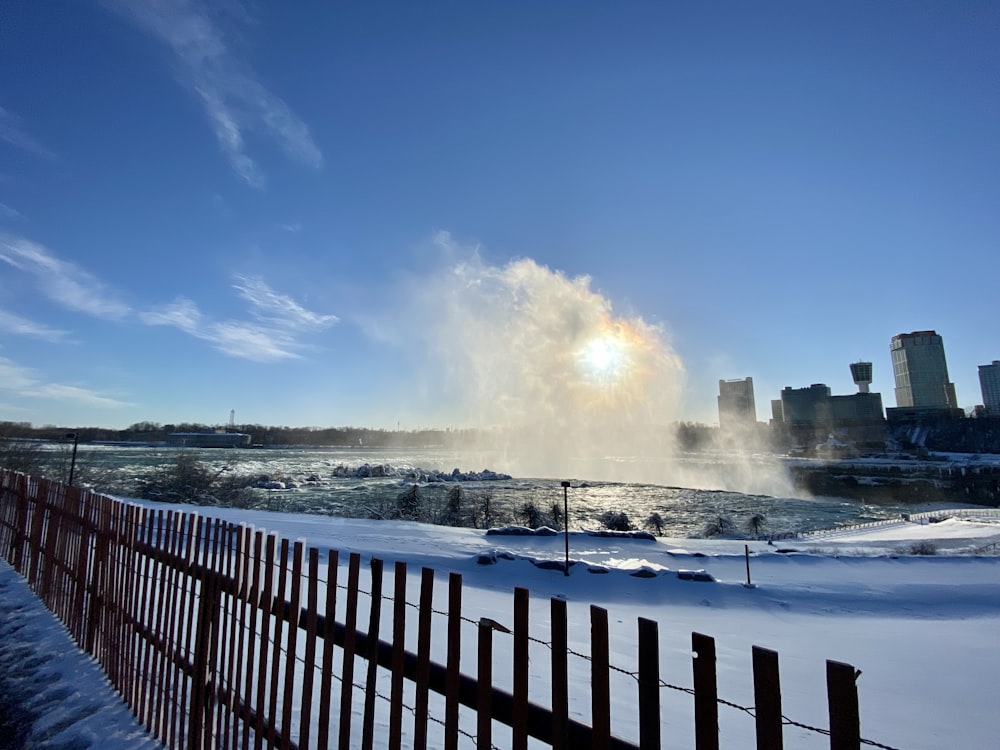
(603, 358)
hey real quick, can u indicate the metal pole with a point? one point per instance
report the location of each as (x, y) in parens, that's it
(72, 462)
(565, 486)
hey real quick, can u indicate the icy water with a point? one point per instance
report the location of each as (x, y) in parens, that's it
(315, 482)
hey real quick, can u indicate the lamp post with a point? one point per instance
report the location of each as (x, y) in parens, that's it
(565, 486)
(72, 462)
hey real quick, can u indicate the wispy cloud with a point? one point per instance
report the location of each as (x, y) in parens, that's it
(23, 327)
(279, 309)
(234, 100)
(12, 132)
(274, 333)
(25, 383)
(7, 212)
(61, 281)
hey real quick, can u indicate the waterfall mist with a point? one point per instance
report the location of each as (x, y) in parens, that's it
(557, 383)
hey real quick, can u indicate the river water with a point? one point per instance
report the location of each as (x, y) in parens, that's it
(323, 481)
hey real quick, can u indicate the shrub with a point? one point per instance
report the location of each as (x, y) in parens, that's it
(719, 525)
(615, 521)
(655, 524)
(756, 523)
(188, 480)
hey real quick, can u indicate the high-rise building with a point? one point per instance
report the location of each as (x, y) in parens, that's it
(989, 382)
(806, 405)
(736, 403)
(921, 372)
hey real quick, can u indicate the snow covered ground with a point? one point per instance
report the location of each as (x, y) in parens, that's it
(924, 629)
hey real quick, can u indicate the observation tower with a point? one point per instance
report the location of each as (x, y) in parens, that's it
(862, 374)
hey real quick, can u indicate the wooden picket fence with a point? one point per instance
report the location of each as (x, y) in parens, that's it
(221, 636)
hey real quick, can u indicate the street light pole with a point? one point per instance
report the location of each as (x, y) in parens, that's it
(72, 462)
(565, 486)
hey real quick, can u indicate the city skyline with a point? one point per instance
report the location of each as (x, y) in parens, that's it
(389, 215)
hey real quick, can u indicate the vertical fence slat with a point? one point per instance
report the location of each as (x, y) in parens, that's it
(194, 531)
(264, 641)
(156, 626)
(169, 634)
(423, 658)
(179, 552)
(240, 588)
(767, 699)
(35, 537)
(484, 695)
(649, 685)
(560, 674)
(454, 657)
(600, 686)
(309, 667)
(228, 695)
(113, 664)
(200, 711)
(293, 630)
(83, 559)
(326, 673)
(520, 717)
(145, 607)
(706, 706)
(213, 669)
(398, 647)
(240, 594)
(276, 611)
(842, 694)
(253, 641)
(96, 577)
(350, 644)
(131, 592)
(371, 654)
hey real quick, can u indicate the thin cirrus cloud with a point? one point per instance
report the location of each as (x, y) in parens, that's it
(272, 336)
(61, 281)
(8, 212)
(12, 132)
(279, 309)
(24, 383)
(234, 100)
(11, 323)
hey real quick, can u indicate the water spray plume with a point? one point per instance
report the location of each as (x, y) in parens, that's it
(559, 385)
(540, 363)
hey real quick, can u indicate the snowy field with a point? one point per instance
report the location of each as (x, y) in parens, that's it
(924, 629)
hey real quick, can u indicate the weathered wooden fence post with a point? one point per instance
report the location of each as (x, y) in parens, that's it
(454, 661)
(350, 646)
(706, 695)
(484, 684)
(767, 699)
(371, 654)
(600, 685)
(519, 720)
(421, 712)
(398, 649)
(649, 685)
(842, 694)
(560, 675)
(207, 617)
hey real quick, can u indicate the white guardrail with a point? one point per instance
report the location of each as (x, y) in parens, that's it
(919, 518)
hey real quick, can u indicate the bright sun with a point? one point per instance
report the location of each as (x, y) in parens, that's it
(603, 358)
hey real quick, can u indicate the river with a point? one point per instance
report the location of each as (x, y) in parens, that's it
(326, 481)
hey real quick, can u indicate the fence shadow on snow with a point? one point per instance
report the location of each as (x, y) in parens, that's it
(219, 635)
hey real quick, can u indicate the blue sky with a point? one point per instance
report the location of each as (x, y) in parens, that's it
(426, 214)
